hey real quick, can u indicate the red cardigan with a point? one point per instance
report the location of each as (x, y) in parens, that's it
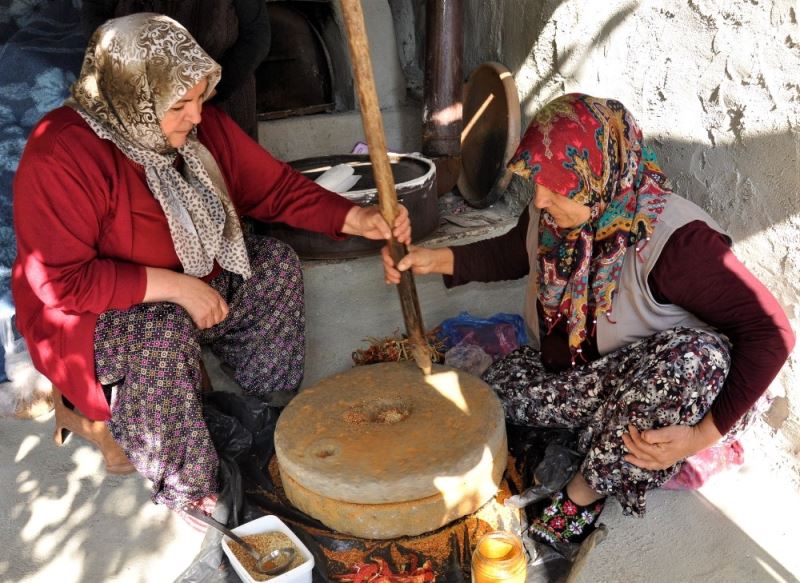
(87, 225)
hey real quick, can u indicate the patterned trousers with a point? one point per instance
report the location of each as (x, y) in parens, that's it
(151, 353)
(670, 378)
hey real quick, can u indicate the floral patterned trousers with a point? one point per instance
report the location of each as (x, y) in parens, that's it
(670, 378)
(151, 353)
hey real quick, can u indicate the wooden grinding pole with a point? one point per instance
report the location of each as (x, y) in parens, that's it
(382, 169)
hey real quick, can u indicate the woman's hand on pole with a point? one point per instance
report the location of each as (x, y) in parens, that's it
(368, 222)
(420, 260)
(659, 449)
(205, 305)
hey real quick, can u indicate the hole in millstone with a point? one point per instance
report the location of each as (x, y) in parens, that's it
(391, 414)
(380, 412)
(323, 449)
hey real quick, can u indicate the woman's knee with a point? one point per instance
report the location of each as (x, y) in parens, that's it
(684, 374)
(692, 354)
(277, 274)
(268, 254)
(169, 326)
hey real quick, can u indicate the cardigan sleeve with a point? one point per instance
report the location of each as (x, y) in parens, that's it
(732, 300)
(60, 199)
(265, 188)
(496, 259)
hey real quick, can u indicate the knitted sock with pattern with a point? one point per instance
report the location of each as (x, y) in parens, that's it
(565, 521)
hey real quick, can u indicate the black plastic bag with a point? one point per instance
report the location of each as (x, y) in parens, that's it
(547, 458)
(242, 429)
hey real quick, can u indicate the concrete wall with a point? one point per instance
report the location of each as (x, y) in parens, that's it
(715, 87)
(347, 305)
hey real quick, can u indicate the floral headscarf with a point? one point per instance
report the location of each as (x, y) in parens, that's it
(135, 69)
(590, 150)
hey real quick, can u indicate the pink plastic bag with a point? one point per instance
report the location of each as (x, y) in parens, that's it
(698, 468)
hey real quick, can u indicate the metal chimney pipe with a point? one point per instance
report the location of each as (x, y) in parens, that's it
(443, 88)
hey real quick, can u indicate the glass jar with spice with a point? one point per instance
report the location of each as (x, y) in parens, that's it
(499, 557)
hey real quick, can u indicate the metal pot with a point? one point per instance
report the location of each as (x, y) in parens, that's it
(415, 182)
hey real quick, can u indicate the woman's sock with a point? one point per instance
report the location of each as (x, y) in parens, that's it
(564, 521)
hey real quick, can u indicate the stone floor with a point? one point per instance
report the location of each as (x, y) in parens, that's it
(65, 520)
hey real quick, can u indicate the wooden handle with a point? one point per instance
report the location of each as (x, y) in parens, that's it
(382, 170)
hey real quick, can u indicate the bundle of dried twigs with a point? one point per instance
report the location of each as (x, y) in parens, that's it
(393, 349)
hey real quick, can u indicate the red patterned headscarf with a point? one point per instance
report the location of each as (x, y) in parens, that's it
(590, 150)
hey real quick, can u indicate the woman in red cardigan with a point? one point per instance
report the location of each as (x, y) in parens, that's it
(127, 207)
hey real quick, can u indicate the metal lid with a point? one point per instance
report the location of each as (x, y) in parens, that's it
(491, 133)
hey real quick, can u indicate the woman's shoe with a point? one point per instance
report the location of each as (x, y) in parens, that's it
(564, 521)
(97, 432)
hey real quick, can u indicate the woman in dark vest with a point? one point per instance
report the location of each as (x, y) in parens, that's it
(649, 336)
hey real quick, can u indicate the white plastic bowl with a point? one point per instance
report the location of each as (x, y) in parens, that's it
(300, 574)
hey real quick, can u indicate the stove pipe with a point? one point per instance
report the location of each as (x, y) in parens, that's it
(444, 73)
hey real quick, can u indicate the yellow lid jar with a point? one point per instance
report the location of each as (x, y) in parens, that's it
(499, 556)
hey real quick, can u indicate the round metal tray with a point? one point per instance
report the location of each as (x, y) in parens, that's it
(491, 133)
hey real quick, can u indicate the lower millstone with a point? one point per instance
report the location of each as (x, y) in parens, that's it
(381, 451)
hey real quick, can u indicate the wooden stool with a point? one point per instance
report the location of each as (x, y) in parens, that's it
(97, 432)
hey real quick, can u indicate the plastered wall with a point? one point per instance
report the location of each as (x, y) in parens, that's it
(715, 86)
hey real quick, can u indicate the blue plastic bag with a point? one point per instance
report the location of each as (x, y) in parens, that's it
(497, 335)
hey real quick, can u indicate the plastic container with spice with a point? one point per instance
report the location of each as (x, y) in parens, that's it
(499, 558)
(301, 573)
